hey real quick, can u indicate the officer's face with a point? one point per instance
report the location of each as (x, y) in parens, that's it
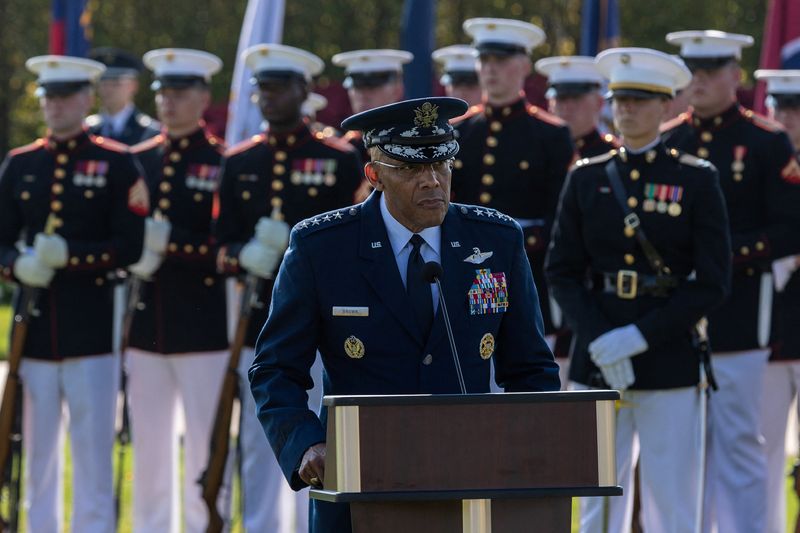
(638, 119)
(713, 90)
(469, 92)
(364, 98)
(181, 109)
(116, 93)
(502, 77)
(64, 114)
(417, 195)
(581, 112)
(280, 101)
(790, 118)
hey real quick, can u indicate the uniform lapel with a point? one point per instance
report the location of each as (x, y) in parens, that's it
(380, 267)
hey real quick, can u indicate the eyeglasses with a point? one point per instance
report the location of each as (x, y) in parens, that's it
(414, 170)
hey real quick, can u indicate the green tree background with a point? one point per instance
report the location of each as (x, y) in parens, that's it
(325, 27)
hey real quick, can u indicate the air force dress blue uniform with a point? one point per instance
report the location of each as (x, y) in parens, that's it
(339, 291)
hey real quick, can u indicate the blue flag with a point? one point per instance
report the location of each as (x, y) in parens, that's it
(419, 18)
(70, 28)
(599, 26)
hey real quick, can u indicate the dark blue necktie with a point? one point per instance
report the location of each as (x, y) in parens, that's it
(419, 290)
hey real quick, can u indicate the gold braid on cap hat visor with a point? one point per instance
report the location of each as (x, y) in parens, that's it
(660, 89)
(409, 141)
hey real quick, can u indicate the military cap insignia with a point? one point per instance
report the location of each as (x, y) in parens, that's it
(478, 257)
(487, 346)
(353, 347)
(488, 294)
(426, 115)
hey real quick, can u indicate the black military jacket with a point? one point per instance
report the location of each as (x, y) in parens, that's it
(515, 159)
(295, 176)
(680, 205)
(183, 307)
(139, 127)
(761, 183)
(593, 144)
(94, 190)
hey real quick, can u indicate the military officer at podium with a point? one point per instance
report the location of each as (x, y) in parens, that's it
(640, 253)
(352, 286)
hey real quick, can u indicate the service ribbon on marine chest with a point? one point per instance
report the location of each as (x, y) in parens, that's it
(488, 294)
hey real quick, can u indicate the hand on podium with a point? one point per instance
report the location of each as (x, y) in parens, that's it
(312, 467)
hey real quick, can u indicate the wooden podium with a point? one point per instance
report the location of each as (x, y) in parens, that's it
(476, 463)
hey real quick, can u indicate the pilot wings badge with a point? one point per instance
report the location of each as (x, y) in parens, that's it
(478, 257)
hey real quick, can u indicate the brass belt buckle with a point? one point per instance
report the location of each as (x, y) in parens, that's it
(627, 284)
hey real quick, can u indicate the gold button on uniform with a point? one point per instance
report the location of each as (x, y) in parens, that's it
(165, 186)
(280, 155)
(629, 259)
(169, 171)
(74, 261)
(458, 163)
(629, 231)
(496, 126)
(245, 195)
(184, 143)
(203, 249)
(208, 281)
(277, 185)
(174, 157)
(487, 179)
(278, 170)
(635, 174)
(485, 198)
(99, 282)
(706, 136)
(632, 202)
(198, 197)
(88, 194)
(105, 257)
(90, 259)
(172, 247)
(313, 192)
(276, 202)
(491, 141)
(760, 246)
(524, 165)
(738, 177)
(188, 248)
(62, 159)
(744, 250)
(290, 140)
(488, 159)
(702, 152)
(59, 173)
(25, 195)
(57, 188)
(164, 203)
(531, 240)
(56, 206)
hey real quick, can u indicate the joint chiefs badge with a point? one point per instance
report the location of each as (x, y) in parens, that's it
(353, 347)
(487, 346)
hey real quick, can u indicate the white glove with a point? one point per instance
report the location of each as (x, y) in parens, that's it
(619, 343)
(51, 250)
(271, 232)
(156, 234)
(619, 375)
(259, 259)
(782, 270)
(29, 269)
(147, 264)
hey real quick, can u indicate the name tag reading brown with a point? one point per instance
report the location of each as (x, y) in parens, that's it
(350, 311)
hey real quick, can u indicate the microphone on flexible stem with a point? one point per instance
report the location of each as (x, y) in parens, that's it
(431, 273)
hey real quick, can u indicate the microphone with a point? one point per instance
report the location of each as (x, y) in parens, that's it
(432, 273)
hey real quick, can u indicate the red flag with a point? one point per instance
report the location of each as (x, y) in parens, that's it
(781, 46)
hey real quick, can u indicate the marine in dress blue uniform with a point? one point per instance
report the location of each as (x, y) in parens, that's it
(759, 179)
(782, 377)
(514, 156)
(276, 179)
(90, 191)
(117, 86)
(459, 72)
(340, 290)
(178, 339)
(633, 324)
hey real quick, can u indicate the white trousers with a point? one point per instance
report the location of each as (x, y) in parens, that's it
(736, 466)
(781, 386)
(156, 384)
(269, 503)
(88, 386)
(661, 430)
